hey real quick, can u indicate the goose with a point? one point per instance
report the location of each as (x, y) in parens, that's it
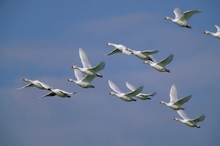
(143, 55)
(160, 66)
(176, 103)
(87, 67)
(181, 19)
(118, 49)
(124, 96)
(215, 34)
(140, 95)
(187, 121)
(58, 92)
(81, 81)
(35, 83)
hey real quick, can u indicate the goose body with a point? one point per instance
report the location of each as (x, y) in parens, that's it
(143, 55)
(124, 96)
(215, 34)
(181, 19)
(118, 49)
(35, 83)
(81, 81)
(87, 67)
(176, 103)
(187, 121)
(140, 95)
(58, 92)
(160, 66)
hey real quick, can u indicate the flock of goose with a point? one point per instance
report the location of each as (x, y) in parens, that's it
(85, 75)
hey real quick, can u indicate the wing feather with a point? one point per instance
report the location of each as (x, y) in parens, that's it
(166, 61)
(84, 58)
(114, 87)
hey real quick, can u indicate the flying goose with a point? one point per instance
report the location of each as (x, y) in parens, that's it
(187, 121)
(87, 67)
(140, 95)
(181, 19)
(124, 96)
(176, 103)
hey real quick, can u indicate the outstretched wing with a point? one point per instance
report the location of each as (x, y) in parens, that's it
(88, 78)
(78, 74)
(182, 114)
(114, 87)
(218, 28)
(188, 14)
(48, 94)
(44, 85)
(149, 52)
(166, 60)
(84, 58)
(99, 67)
(135, 92)
(199, 119)
(177, 13)
(173, 94)
(131, 87)
(114, 52)
(183, 100)
(29, 85)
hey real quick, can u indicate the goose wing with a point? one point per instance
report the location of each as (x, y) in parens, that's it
(44, 85)
(173, 94)
(182, 114)
(199, 119)
(28, 85)
(186, 15)
(114, 51)
(48, 94)
(131, 87)
(149, 52)
(88, 78)
(114, 87)
(166, 61)
(183, 100)
(84, 58)
(99, 67)
(135, 92)
(218, 28)
(78, 74)
(177, 13)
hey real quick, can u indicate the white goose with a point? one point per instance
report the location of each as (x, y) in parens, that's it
(118, 49)
(58, 92)
(35, 83)
(181, 19)
(176, 103)
(124, 96)
(143, 55)
(81, 81)
(160, 66)
(140, 95)
(187, 121)
(215, 34)
(87, 67)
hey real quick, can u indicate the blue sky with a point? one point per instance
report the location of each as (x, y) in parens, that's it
(40, 40)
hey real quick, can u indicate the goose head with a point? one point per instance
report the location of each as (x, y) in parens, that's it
(146, 62)
(162, 102)
(109, 44)
(176, 119)
(25, 79)
(206, 32)
(70, 80)
(74, 67)
(129, 50)
(167, 18)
